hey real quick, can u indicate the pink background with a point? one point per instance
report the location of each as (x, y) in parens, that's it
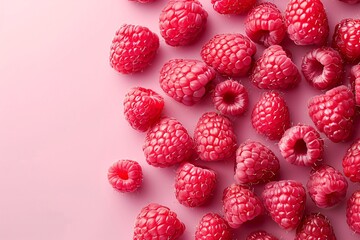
(62, 126)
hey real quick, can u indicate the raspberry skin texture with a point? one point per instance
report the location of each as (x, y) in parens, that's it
(275, 70)
(355, 81)
(213, 226)
(232, 6)
(182, 22)
(301, 145)
(229, 54)
(156, 221)
(333, 113)
(265, 25)
(214, 137)
(186, 80)
(351, 162)
(167, 143)
(255, 163)
(352, 212)
(307, 22)
(125, 175)
(315, 226)
(133, 48)
(260, 235)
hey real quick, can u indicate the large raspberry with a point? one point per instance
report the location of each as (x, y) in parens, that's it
(315, 226)
(232, 6)
(352, 212)
(351, 162)
(213, 226)
(260, 235)
(125, 175)
(355, 81)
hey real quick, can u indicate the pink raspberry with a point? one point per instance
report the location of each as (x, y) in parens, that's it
(133, 48)
(301, 145)
(214, 137)
(275, 70)
(125, 175)
(322, 68)
(265, 24)
(157, 222)
(285, 201)
(182, 21)
(333, 113)
(351, 162)
(213, 226)
(240, 205)
(355, 81)
(232, 6)
(352, 212)
(186, 80)
(326, 186)
(229, 54)
(315, 226)
(260, 235)
(255, 164)
(167, 143)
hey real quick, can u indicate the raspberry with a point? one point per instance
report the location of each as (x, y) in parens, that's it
(270, 116)
(346, 39)
(260, 235)
(194, 185)
(157, 222)
(265, 25)
(333, 113)
(232, 6)
(240, 205)
(133, 48)
(182, 21)
(351, 162)
(255, 163)
(301, 145)
(352, 212)
(306, 22)
(285, 201)
(229, 54)
(274, 70)
(214, 137)
(185, 80)
(355, 81)
(315, 226)
(230, 98)
(212, 226)
(351, 1)
(167, 143)
(322, 67)
(125, 175)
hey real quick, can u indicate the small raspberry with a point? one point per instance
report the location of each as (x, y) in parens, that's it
(260, 235)
(229, 54)
(214, 137)
(212, 226)
(232, 6)
(351, 1)
(315, 226)
(157, 222)
(355, 81)
(351, 162)
(133, 48)
(167, 143)
(352, 212)
(125, 175)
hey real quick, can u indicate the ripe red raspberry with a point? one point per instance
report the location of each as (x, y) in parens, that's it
(260, 235)
(355, 81)
(352, 212)
(322, 68)
(265, 25)
(133, 48)
(214, 137)
(185, 80)
(333, 113)
(270, 116)
(240, 205)
(301, 145)
(194, 185)
(255, 164)
(125, 175)
(315, 226)
(351, 1)
(275, 70)
(213, 226)
(229, 54)
(157, 222)
(230, 98)
(232, 6)
(351, 162)
(306, 22)
(167, 143)
(182, 21)
(285, 201)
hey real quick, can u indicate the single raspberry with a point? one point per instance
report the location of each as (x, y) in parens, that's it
(260, 235)
(213, 226)
(285, 201)
(355, 81)
(270, 116)
(275, 70)
(255, 164)
(351, 1)
(230, 98)
(229, 54)
(214, 137)
(333, 113)
(351, 162)
(265, 25)
(167, 143)
(182, 21)
(315, 226)
(240, 205)
(232, 6)
(186, 80)
(352, 212)
(322, 67)
(133, 48)
(157, 222)
(125, 175)
(301, 145)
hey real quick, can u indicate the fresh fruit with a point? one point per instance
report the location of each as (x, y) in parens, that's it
(125, 175)
(232, 6)
(213, 226)
(351, 162)
(355, 81)
(260, 235)
(352, 212)
(315, 226)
